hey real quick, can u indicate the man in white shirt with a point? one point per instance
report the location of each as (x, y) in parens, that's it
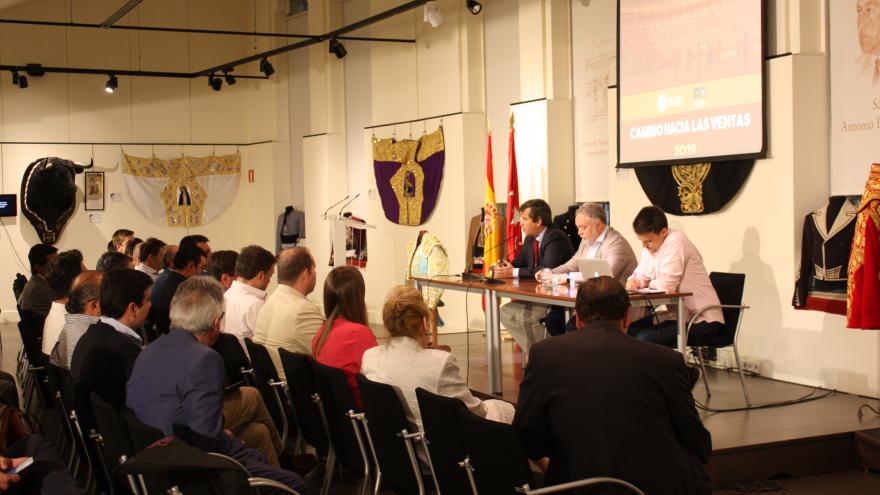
(671, 263)
(83, 310)
(61, 273)
(247, 294)
(150, 257)
(288, 319)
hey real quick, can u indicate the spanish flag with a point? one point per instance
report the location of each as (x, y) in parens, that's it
(491, 235)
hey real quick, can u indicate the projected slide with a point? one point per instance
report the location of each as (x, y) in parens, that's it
(690, 84)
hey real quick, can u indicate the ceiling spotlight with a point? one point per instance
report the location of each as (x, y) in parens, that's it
(266, 67)
(474, 6)
(215, 82)
(433, 16)
(15, 78)
(230, 79)
(112, 84)
(22, 81)
(337, 49)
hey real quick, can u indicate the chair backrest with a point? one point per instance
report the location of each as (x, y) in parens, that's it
(234, 358)
(338, 400)
(301, 382)
(729, 287)
(111, 424)
(30, 326)
(496, 454)
(387, 418)
(264, 370)
(142, 435)
(446, 442)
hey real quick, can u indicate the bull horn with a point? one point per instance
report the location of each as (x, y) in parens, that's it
(81, 166)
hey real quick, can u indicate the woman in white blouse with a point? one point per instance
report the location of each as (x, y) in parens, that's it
(406, 363)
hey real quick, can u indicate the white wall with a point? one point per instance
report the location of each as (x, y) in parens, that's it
(75, 111)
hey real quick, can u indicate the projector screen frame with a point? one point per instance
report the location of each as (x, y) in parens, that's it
(762, 153)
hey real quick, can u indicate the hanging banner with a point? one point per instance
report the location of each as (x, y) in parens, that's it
(855, 92)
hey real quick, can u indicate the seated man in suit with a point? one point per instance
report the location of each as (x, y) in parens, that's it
(671, 263)
(37, 295)
(599, 403)
(544, 246)
(188, 261)
(105, 354)
(598, 241)
(179, 379)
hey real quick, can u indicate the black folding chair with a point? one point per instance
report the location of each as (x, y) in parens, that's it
(496, 461)
(270, 386)
(30, 327)
(446, 443)
(238, 367)
(393, 439)
(730, 288)
(302, 391)
(113, 439)
(337, 402)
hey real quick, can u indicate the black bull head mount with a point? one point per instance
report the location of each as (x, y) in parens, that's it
(48, 195)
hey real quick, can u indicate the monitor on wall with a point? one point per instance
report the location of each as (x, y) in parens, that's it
(690, 81)
(8, 205)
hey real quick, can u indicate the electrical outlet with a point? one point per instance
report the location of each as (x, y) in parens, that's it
(752, 367)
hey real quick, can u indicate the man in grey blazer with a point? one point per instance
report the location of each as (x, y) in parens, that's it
(598, 241)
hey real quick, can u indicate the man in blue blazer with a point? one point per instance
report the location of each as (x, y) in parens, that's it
(544, 246)
(178, 380)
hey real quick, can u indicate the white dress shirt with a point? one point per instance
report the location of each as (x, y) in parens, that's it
(243, 304)
(52, 326)
(678, 267)
(593, 250)
(148, 270)
(121, 328)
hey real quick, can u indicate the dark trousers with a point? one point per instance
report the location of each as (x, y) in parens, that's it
(666, 332)
(555, 321)
(47, 475)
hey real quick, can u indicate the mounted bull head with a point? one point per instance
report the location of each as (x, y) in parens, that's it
(48, 195)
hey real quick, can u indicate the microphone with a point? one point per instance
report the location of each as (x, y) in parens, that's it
(335, 204)
(349, 202)
(482, 278)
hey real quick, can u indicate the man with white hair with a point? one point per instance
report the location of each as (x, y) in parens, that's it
(179, 380)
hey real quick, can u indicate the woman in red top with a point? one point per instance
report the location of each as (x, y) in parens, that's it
(343, 338)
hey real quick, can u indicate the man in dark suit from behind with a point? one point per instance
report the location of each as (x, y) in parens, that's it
(597, 402)
(189, 261)
(523, 319)
(104, 356)
(37, 295)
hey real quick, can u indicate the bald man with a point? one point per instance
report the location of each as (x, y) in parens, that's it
(289, 319)
(83, 310)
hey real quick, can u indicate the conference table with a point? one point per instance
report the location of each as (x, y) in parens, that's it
(533, 291)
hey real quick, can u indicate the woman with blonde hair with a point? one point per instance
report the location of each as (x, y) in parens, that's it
(406, 363)
(343, 338)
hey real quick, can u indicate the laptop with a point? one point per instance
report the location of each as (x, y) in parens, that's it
(590, 268)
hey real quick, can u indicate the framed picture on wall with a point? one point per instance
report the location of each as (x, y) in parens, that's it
(94, 191)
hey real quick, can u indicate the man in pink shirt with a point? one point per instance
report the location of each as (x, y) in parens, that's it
(671, 263)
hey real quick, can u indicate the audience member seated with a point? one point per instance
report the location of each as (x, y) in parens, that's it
(544, 246)
(221, 266)
(671, 263)
(345, 336)
(119, 240)
(179, 379)
(104, 356)
(61, 273)
(47, 475)
(189, 261)
(168, 257)
(199, 241)
(599, 403)
(405, 362)
(598, 241)
(112, 260)
(288, 319)
(37, 295)
(150, 257)
(83, 310)
(131, 248)
(247, 294)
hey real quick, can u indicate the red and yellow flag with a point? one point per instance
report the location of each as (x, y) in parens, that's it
(491, 239)
(514, 230)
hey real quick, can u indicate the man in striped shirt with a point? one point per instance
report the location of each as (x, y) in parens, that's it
(83, 310)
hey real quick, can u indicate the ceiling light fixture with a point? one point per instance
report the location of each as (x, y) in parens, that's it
(230, 79)
(215, 82)
(474, 6)
(433, 16)
(266, 67)
(337, 49)
(112, 84)
(22, 80)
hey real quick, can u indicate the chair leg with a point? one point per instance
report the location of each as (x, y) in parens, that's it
(742, 379)
(355, 418)
(703, 371)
